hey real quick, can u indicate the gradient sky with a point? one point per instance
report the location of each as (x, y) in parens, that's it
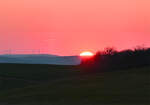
(67, 27)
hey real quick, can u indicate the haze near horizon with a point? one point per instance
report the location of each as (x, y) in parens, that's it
(68, 27)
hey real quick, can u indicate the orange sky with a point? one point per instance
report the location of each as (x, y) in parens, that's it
(67, 27)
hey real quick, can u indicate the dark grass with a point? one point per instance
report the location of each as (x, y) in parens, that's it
(128, 87)
(8, 84)
(36, 72)
(14, 76)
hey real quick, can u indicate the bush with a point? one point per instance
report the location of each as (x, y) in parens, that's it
(111, 60)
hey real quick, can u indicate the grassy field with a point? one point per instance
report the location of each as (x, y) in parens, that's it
(66, 85)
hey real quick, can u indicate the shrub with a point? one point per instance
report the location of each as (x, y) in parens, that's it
(111, 60)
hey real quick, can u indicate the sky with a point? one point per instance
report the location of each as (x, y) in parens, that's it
(68, 27)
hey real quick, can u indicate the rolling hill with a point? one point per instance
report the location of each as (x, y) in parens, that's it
(66, 85)
(40, 59)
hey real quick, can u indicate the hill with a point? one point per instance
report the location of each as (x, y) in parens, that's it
(66, 85)
(40, 59)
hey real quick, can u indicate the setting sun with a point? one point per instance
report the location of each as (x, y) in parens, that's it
(86, 53)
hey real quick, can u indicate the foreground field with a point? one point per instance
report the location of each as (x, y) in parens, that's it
(65, 85)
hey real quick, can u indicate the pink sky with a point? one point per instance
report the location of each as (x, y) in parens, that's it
(67, 27)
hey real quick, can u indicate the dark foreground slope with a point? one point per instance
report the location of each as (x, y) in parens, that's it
(21, 75)
(64, 85)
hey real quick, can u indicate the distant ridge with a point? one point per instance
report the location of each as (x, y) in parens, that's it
(40, 59)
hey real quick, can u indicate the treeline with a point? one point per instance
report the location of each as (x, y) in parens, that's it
(111, 60)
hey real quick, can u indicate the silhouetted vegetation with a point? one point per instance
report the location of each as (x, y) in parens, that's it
(34, 84)
(111, 60)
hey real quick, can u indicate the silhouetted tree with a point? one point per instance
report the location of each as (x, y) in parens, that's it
(111, 60)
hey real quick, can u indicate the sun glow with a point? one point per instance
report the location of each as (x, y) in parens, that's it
(86, 54)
